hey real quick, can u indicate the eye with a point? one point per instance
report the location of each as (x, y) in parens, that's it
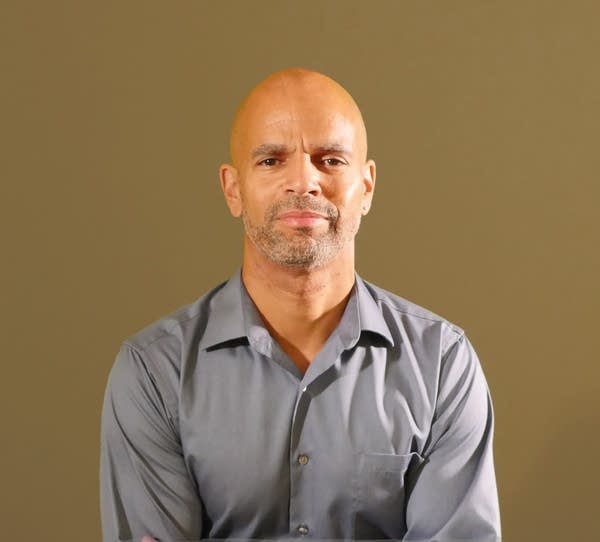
(333, 162)
(269, 162)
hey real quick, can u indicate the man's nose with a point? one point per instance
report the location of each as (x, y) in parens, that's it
(303, 177)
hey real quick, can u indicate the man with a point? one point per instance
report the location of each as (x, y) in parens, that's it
(297, 400)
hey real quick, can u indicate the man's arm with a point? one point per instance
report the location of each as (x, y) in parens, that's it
(453, 494)
(145, 488)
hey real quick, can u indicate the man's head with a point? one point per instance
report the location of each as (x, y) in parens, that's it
(299, 177)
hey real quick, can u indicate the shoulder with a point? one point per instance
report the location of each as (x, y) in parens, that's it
(404, 306)
(439, 350)
(407, 320)
(150, 362)
(162, 348)
(171, 334)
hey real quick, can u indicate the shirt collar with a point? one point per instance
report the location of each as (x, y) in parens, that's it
(225, 320)
(233, 316)
(370, 312)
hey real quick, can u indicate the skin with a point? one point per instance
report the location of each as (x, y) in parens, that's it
(300, 180)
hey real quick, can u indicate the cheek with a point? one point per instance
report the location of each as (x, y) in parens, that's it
(350, 199)
(258, 191)
(251, 197)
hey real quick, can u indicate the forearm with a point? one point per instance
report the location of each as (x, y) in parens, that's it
(454, 494)
(145, 488)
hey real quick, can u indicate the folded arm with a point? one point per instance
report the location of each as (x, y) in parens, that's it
(453, 494)
(145, 487)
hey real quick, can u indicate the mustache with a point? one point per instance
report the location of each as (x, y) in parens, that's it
(302, 203)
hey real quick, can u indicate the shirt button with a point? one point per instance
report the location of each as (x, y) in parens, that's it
(303, 530)
(303, 459)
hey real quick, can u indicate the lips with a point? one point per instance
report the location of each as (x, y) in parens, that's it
(298, 213)
(301, 218)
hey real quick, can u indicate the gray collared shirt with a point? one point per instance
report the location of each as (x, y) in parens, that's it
(209, 430)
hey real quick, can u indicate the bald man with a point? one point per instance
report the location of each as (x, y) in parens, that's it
(297, 400)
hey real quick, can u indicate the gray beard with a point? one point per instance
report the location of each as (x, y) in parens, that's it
(300, 249)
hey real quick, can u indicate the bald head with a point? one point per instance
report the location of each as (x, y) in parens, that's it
(300, 177)
(300, 99)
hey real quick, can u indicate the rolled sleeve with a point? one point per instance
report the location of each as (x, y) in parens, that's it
(145, 487)
(454, 494)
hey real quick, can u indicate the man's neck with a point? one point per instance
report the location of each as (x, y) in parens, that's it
(300, 307)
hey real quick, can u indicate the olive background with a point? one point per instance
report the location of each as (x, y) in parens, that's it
(483, 117)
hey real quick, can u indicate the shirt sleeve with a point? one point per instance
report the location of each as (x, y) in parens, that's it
(145, 487)
(453, 494)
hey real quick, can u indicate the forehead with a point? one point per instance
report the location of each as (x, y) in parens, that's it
(306, 110)
(282, 113)
(311, 126)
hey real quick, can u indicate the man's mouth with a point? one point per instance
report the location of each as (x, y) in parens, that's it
(302, 218)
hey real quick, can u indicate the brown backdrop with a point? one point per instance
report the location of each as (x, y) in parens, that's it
(484, 121)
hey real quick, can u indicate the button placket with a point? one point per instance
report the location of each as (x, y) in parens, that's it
(300, 504)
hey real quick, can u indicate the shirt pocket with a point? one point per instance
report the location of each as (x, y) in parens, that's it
(379, 504)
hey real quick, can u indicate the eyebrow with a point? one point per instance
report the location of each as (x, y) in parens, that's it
(270, 148)
(279, 149)
(332, 148)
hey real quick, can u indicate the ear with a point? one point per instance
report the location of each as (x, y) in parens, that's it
(369, 173)
(231, 189)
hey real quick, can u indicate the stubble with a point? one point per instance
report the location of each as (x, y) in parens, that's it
(303, 247)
